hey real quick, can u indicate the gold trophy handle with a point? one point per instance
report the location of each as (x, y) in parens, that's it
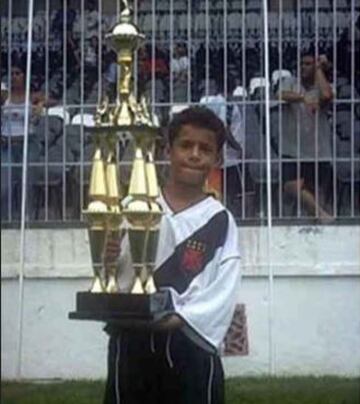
(97, 240)
(150, 284)
(138, 286)
(97, 285)
(112, 286)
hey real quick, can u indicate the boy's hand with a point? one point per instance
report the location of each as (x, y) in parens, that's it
(171, 322)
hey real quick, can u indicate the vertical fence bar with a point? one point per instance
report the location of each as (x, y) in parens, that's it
(189, 51)
(261, 104)
(207, 48)
(46, 157)
(298, 74)
(63, 210)
(153, 55)
(334, 114)
(118, 70)
(82, 90)
(225, 86)
(243, 106)
(352, 127)
(268, 187)
(24, 188)
(10, 169)
(135, 64)
(171, 51)
(316, 154)
(100, 45)
(280, 110)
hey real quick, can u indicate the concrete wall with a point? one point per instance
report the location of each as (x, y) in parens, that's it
(316, 307)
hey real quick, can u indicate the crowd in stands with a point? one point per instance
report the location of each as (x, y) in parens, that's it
(73, 66)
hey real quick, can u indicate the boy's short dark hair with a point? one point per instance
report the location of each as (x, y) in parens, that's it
(200, 117)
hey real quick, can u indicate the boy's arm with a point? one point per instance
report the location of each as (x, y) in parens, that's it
(288, 91)
(326, 92)
(291, 96)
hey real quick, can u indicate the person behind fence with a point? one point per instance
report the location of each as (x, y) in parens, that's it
(198, 260)
(180, 68)
(306, 132)
(12, 140)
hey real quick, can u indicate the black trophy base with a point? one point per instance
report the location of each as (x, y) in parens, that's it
(121, 308)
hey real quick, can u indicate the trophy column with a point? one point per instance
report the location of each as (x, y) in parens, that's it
(96, 215)
(115, 214)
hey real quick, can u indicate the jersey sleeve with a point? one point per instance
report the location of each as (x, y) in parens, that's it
(207, 306)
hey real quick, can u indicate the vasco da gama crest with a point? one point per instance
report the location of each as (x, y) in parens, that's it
(193, 257)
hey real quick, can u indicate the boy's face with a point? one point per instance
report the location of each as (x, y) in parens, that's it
(192, 155)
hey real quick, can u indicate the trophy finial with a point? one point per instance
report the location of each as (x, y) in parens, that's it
(126, 11)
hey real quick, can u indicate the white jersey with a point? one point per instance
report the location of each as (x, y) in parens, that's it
(198, 260)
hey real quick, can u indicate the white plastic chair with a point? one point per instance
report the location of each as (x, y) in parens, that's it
(83, 119)
(257, 82)
(279, 74)
(175, 109)
(240, 92)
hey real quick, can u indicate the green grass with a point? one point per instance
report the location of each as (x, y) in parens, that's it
(296, 390)
(52, 393)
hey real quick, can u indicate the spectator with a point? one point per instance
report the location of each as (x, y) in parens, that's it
(111, 80)
(91, 63)
(12, 137)
(216, 102)
(59, 21)
(92, 18)
(63, 29)
(180, 68)
(306, 132)
(234, 124)
(148, 66)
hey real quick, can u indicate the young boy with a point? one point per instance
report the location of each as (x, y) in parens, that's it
(198, 260)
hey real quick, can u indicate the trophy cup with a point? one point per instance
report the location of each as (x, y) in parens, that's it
(138, 212)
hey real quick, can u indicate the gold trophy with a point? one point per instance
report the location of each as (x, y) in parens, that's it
(138, 211)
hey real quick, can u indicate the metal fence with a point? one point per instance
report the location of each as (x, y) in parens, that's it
(209, 52)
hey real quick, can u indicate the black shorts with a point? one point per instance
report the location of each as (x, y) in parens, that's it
(306, 172)
(161, 368)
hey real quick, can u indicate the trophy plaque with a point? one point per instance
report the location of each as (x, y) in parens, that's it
(109, 212)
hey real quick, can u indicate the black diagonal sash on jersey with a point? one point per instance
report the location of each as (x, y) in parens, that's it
(198, 249)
